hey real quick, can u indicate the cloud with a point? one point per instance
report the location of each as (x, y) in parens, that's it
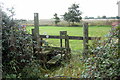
(46, 8)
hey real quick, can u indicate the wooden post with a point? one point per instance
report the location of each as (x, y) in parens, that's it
(61, 39)
(36, 23)
(63, 35)
(66, 41)
(33, 38)
(85, 38)
(33, 34)
(36, 31)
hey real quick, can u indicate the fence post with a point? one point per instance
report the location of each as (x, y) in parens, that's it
(85, 38)
(36, 23)
(61, 39)
(36, 31)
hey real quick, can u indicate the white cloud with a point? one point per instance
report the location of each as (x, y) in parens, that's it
(46, 8)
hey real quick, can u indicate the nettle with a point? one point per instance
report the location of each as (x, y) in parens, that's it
(104, 62)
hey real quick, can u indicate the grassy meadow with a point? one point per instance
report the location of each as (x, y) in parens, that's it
(94, 31)
(76, 66)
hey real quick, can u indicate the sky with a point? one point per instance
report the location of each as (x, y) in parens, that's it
(25, 9)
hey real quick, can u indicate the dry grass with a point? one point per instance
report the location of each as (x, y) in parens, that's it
(92, 22)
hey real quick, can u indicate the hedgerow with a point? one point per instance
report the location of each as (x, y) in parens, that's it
(104, 60)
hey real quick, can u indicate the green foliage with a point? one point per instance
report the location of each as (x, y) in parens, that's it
(35, 70)
(17, 49)
(104, 17)
(105, 60)
(57, 19)
(71, 69)
(73, 14)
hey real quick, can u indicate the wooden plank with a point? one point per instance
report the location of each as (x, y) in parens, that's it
(47, 52)
(54, 59)
(67, 44)
(85, 38)
(70, 37)
(61, 37)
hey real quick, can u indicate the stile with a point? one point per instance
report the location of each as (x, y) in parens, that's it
(63, 35)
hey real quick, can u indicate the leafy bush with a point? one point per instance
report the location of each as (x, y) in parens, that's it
(105, 60)
(17, 49)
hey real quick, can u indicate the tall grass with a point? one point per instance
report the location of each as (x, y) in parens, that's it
(73, 69)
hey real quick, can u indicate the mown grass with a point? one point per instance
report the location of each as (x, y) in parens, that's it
(94, 31)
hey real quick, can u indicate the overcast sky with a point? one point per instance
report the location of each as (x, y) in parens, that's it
(24, 9)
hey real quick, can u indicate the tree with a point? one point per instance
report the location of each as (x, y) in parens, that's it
(73, 14)
(57, 19)
(98, 17)
(66, 17)
(104, 17)
(117, 17)
(86, 17)
(91, 17)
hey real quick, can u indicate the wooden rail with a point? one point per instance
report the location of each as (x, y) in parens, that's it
(70, 37)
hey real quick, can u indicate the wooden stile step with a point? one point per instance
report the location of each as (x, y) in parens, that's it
(54, 59)
(46, 52)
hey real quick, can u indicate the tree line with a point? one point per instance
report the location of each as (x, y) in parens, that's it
(74, 15)
(101, 17)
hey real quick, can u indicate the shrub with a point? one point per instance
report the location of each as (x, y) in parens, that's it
(105, 60)
(16, 48)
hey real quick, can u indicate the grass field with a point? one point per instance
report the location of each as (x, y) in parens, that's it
(94, 31)
(76, 66)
